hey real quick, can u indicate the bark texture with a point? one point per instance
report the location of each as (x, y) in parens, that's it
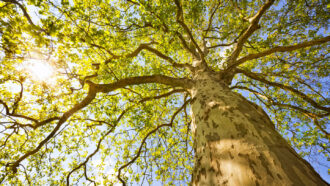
(236, 143)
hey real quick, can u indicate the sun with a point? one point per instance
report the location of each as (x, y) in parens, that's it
(39, 70)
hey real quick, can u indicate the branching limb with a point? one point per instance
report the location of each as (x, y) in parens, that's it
(301, 81)
(129, 55)
(227, 44)
(146, 137)
(26, 15)
(34, 126)
(38, 124)
(254, 25)
(284, 87)
(211, 19)
(186, 46)
(272, 102)
(26, 175)
(180, 20)
(113, 126)
(279, 49)
(103, 48)
(313, 116)
(134, 53)
(83, 164)
(88, 99)
(317, 124)
(169, 59)
(146, 46)
(250, 90)
(239, 10)
(105, 88)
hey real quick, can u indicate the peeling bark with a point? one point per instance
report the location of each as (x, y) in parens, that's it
(236, 143)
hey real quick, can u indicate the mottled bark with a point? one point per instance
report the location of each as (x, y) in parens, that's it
(237, 144)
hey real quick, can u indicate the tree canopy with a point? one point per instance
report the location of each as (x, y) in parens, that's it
(96, 91)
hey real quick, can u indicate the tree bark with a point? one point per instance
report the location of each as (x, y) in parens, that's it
(236, 143)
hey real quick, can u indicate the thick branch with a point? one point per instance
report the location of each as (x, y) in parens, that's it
(254, 25)
(41, 123)
(161, 79)
(93, 90)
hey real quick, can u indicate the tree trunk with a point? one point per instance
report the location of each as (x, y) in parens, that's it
(237, 144)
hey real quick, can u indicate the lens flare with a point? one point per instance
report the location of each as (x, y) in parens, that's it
(39, 70)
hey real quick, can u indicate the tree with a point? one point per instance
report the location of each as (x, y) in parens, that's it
(126, 72)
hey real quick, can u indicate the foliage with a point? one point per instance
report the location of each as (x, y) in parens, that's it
(69, 128)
